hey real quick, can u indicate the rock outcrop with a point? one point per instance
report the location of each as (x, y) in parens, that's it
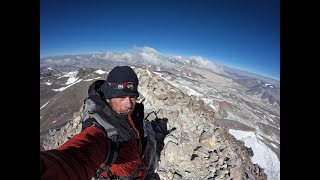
(190, 144)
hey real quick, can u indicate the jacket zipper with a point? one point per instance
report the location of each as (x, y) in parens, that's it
(138, 133)
(133, 126)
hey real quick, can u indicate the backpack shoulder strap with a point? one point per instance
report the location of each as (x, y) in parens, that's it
(89, 113)
(113, 145)
(111, 130)
(112, 154)
(89, 117)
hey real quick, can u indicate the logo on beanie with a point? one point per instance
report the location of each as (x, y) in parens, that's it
(123, 86)
(130, 85)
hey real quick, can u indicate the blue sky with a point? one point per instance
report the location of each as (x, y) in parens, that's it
(243, 34)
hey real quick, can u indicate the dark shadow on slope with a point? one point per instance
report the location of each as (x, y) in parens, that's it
(159, 126)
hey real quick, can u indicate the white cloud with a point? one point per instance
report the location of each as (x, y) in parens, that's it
(177, 57)
(143, 55)
(149, 55)
(149, 50)
(67, 60)
(119, 57)
(59, 61)
(204, 63)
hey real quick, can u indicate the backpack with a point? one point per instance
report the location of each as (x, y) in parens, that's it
(89, 117)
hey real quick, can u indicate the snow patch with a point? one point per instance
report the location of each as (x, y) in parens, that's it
(184, 89)
(63, 88)
(270, 137)
(210, 103)
(44, 105)
(149, 73)
(92, 79)
(72, 77)
(274, 145)
(213, 107)
(266, 84)
(100, 71)
(263, 155)
(159, 74)
(48, 83)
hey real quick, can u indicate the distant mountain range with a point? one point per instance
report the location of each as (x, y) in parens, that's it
(255, 83)
(236, 73)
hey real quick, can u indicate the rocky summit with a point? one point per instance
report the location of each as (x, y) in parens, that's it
(190, 142)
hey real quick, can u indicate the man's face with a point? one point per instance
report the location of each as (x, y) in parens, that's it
(123, 105)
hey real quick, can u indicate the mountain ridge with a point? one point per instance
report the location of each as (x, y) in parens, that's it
(162, 84)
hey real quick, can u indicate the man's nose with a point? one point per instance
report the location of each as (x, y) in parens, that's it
(127, 103)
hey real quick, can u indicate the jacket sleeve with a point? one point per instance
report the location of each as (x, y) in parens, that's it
(79, 158)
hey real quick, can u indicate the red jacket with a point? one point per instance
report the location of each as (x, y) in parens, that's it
(80, 158)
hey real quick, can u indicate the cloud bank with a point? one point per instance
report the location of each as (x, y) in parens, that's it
(150, 56)
(140, 55)
(144, 55)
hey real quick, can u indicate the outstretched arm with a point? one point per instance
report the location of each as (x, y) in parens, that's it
(79, 158)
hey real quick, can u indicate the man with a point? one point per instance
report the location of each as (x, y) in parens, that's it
(110, 109)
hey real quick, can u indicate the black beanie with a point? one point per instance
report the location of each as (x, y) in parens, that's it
(121, 81)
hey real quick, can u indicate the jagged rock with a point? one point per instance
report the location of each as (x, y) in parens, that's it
(171, 151)
(52, 132)
(205, 135)
(210, 143)
(220, 161)
(176, 176)
(162, 97)
(213, 157)
(186, 149)
(235, 173)
(201, 152)
(232, 154)
(171, 138)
